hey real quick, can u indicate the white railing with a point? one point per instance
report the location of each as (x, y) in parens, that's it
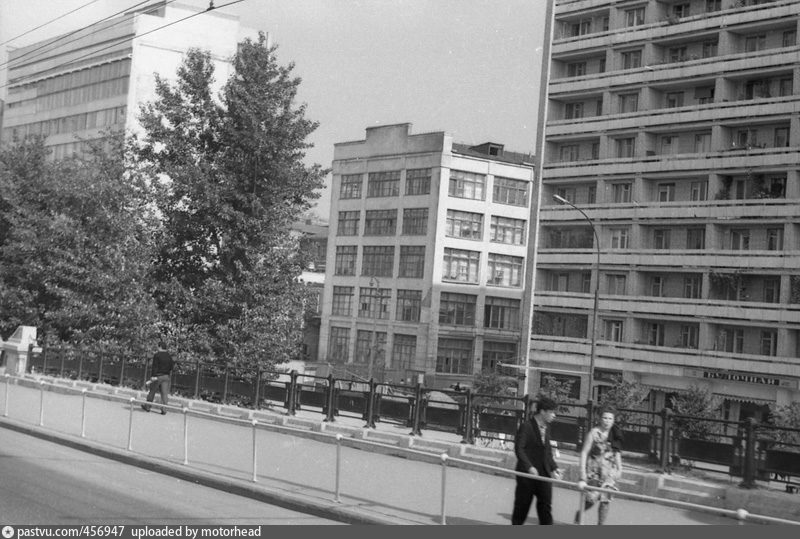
(742, 515)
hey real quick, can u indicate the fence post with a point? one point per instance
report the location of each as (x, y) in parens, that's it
(130, 426)
(444, 489)
(255, 451)
(665, 439)
(61, 355)
(291, 407)
(45, 349)
(749, 471)
(83, 414)
(185, 435)
(257, 396)
(371, 405)
(122, 370)
(41, 404)
(415, 430)
(80, 362)
(197, 372)
(8, 385)
(225, 384)
(330, 399)
(468, 438)
(338, 466)
(100, 367)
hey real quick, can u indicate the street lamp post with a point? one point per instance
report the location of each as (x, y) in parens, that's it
(563, 200)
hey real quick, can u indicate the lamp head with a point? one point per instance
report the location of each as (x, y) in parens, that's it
(560, 199)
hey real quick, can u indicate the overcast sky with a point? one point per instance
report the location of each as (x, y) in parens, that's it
(467, 67)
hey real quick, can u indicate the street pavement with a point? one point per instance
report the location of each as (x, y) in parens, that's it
(292, 468)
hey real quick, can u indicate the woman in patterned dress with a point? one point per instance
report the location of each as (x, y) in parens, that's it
(601, 463)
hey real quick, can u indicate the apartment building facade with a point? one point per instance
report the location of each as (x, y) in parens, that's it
(74, 88)
(675, 126)
(426, 257)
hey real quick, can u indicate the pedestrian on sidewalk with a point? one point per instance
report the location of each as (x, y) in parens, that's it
(601, 463)
(160, 375)
(535, 457)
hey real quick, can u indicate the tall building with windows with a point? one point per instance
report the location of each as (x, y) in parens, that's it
(426, 257)
(675, 126)
(74, 87)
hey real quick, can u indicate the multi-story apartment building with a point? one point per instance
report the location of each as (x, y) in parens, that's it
(675, 126)
(75, 87)
(426, 257)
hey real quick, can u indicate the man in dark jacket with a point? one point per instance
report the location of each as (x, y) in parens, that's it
(535, 457)
(160, 375)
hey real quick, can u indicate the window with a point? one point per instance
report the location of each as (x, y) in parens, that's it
(689, 336)
(626, 147)
(568, 152)
(628, 103)
(661, 238)
(342, 300)
(573, 111)
(605, 24)
(732, 340)
(621, 192)
(576, 69)
(567, 193)
(674, 99)
(511, 192)
(351, 186)
(467, 185)
(580, 28)
(655, 334)
(601, 66)
(713, 5)
(702, 143)
(370, 345)
(460, 265)
(348, 223)
(772, 290)
(558, 282)
(415, 221)
(740, 239)
(418, 181)
(462, 224)
(710, 49)
(616, 284)
(457, 309)
(756, 88)
(339, 345)
(404, 349)
(378, 261)
(692, 285)
(790, 38)
(631, 59)
(613, 330)
(345, 260)
(657, 286)
(504, 270)
(595, 151)
(634, 17)
(704, 94)
(769, 342)
(774, 239)
(681, 10)
(696, 238)
(599, 107)
(781, 137)
(507, 230)
(454, 356)
(380, 223)
(666, 192)
(409, 305)
(586, 282)
(755, 42)
(669, 145)
(412, 261)
(785, 87)
(495, 353)
(383, 184)
(619, 238)
(698, 190)
(677, 54)
(501, 313)
(776, 187)
(374, 302)
(592, 195)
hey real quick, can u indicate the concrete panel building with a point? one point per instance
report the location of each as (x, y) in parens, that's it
(675, 126)
(426, 257)
(78, 85)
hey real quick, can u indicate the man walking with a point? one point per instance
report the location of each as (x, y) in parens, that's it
(160, 375)
(535, 457)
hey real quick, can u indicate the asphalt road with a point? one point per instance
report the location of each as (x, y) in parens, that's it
(46, 483)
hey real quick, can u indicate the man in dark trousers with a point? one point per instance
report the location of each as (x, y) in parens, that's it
(160, 375)
(535, 457)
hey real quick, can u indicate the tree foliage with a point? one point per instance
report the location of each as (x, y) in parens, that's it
(231, 181)
(624, 395)
(695, 404)
(787, 417)
(558, 390)
(75, 245)
(494, 389)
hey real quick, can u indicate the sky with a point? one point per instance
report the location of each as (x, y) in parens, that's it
(466, 67)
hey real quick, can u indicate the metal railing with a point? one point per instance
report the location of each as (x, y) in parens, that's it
(742, 515)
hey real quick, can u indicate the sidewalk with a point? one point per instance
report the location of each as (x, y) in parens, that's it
(295, 462)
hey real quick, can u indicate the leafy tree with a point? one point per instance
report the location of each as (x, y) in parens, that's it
(622, 396)
(788, 417)
(494, 389)
(558, 390)
(231, 181)
(696, 403)
(75, 246)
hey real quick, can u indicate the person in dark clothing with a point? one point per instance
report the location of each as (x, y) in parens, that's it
(535, 457)
(160, 375)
